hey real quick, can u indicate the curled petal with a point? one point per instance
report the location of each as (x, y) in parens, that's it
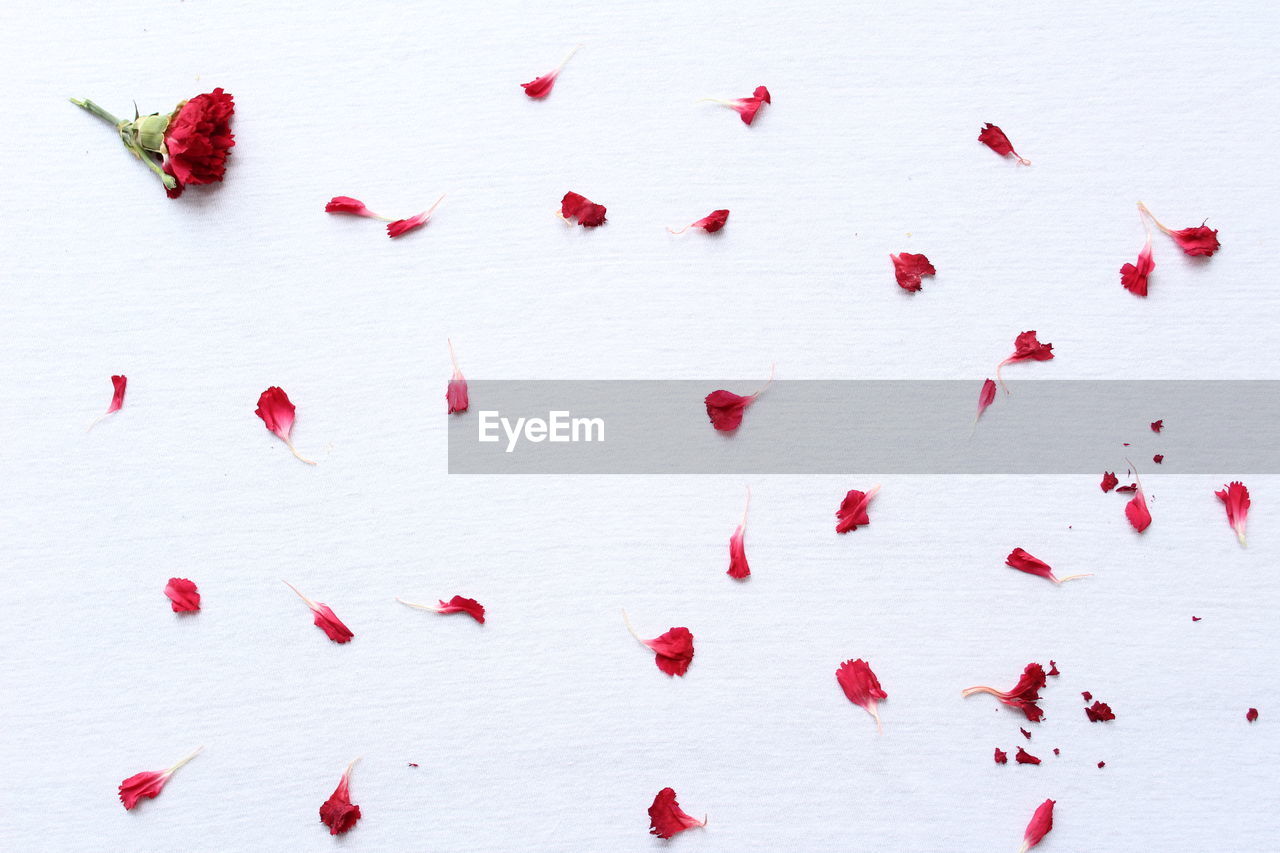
(338, 812)
(1235, 497)
(1041, 823)
(673, 651)
(539, 87)
(667, 819)
(1109, 480)
(908, 270)
(1024, 694)
(1099, 712)
(853, 510)
(711, 223)
(861, 687)
(738, 567)
(589, 214)
(994, 138)
(456, 394)
(1024, 562)
(1133, 277)
(400, 227)
(183, 595)
(325, 619)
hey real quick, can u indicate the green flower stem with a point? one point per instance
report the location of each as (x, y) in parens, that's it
(91, 107)
(128, 137)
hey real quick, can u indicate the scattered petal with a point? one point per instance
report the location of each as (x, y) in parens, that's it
(1235, 497)
(457, 604)
(183, 595)
(1133, 277)
(1136, 509)
(540, 87)
(403, 226)
(325, 619)
(908, 269)
(711, 223)
(588, 214)
(1109, 481)
(862, 687)
(667, 819)
(1024, 757)
(1053, 669)
(746, 107)
(1088, 697)
(853, 510)
(994, 138)
(456, 393)
(1024, 694)
(1157, 426)
(986, 396)
(353, 206)
(1196, 241)
(672, 652)
(1099, 712)
(1038, 828)
(1195, 618)
(118, 384)
(277, 413)
(1251, 714)
(1024, 562)
(1001, 756)
(148, 784)
(338, 812)
(738, 568)
(1158, 458)
(1026, 347)
(725, 409)
(1026, 734)
(1129, 489)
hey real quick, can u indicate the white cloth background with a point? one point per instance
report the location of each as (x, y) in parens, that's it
(549, 729)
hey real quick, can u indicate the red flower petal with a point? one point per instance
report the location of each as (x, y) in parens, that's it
(986, 396)
(148, 784)
(540, 87)
(1024, 562)
(1026, 347)
(1196, 241)
(456, 393)
(1158, 458)
(198, 140)
(667, 819)
(1099, 712)
(746, 107)
(277, 413)
(1088, 697)
(1024, 757)
(1053, 669)
(1195, 618)
(183, 595)
(1026, 734)
(853, 509)
(1136, 509)
(908, 270)
(725, 409)
(1251, 714)
(1038, 828)
(994, 138)
(1001, 756)
(325, 618)
(347, 204)
(738, 568)
(672, 652)
(1024, 694)
(118, 384)
(1056, 751)
(1132, 487)
(403, 226)
(861, 687)
(1101, 764)
(711, 223)
(588, 214)
(338, 812)
(1109, 481)
(457, 604)
(1157, 426)
(1133, 277)
(1235, 497)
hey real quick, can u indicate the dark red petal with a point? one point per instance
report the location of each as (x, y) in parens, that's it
(1024, 757)
(1109, 481)
(666, 818)
(1001, 756)
(183, 595)
(908, 270)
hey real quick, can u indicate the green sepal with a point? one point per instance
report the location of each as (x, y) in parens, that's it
(149, 132)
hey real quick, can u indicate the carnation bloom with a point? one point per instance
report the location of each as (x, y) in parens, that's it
(1024, 562)
(1133, 277)
(457, 604)
(862, 687)
(853, 509)
(1026, 347)
(325, 618)
(400, 227)
(338, 812)
(738, 568)
(673, 651)
(1195, 241)
(711, 223)
(667, 819)
(745, 107)
(1024, 694)
(456, 393)
(540, 87)
(277, 412)
(1041, 823)
(725, 409)
(187, 146)
(908, 270)
(148, 784)
(1235, 497)
(994, 138)
(183, 595)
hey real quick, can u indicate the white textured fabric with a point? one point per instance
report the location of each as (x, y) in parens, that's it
(549, 728)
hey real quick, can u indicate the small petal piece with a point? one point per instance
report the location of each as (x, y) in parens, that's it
(725, 409)
(1133, 277)
(148, 784)
(1024, 757)
(1235, 497)
(667, 819)
(183, 595)
(986, 396)
(1157, 426)
(588, 213)
(1024, 562)
(711, 223)
(353, 206)
(1024, 694)
(1002, 757)
(456, 394)
(118, 384)
(277, 412)
(1251, 714)
(539, 87)
(400, 227)
(672, 651)
(747, 108)
(861, 687)
(853, 510)
(1099, 712)
(908, 270)
(325, 619)
(1109, 481)
(738, 567)
(338, 812)
(1038, 828)
(994, 138)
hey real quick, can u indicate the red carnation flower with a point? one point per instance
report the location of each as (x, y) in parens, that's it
(667, 819)
(338, 812)
(1024, 694)
(188, 146)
